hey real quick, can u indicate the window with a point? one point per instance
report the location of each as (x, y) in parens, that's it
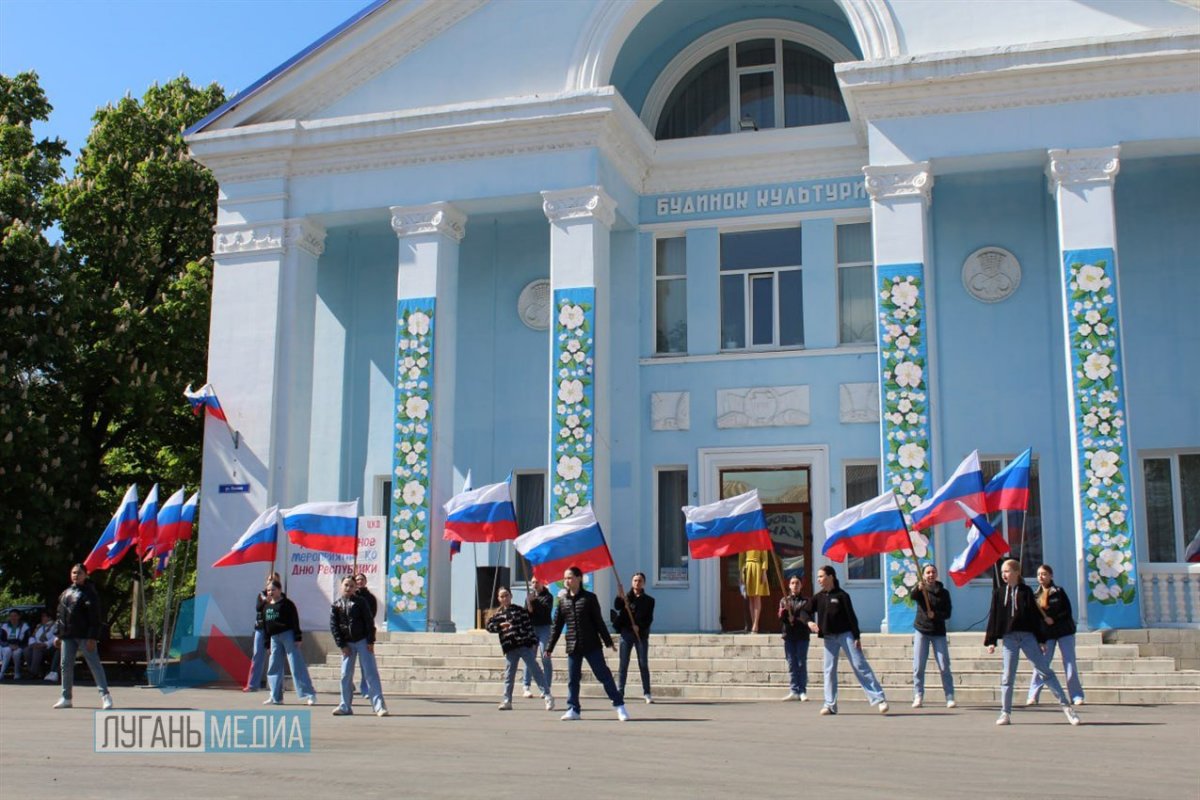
(1014, 524)
(761, 290)
(529, 501)
(1172, 486)
(773, 83)
(856, 284)
(672, 496)
(670, 296)
(862, 483)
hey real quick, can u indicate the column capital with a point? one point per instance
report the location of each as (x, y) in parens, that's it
(305, 235)
(586, 202)
(441, 218)
(1095, 165)
(269, 236)
(899, 181)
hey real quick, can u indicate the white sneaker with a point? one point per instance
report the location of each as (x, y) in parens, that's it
(790, 696)
(1072, 717)
(803, 697)
(1003, 720)
(1032, 701)
(917, 702)
(827, 711)
(383, 712)
(312, 701)
(549, 703)
(528, 692)
(883, 707)
(571, 714)
(622, 714)
(341, 712)
(62, 703)
(648, 699)
(53, 676)
(270, 702)
(505, 705)
(106, 701)
(1077, 701)
(951, 703)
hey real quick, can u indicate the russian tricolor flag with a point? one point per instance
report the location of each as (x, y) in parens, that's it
(206, 397)
(485, 514)
(876, 526)
(574, 541)
(118, 535)
(329, 527)
(175, 520)
(148, 523)
(258, 543)
(1009, 490)
(966, 484)
(985, 546)
(727, 527)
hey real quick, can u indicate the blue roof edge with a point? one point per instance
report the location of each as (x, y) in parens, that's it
(262, 82)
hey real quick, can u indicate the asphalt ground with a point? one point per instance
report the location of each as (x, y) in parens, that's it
(463, 747)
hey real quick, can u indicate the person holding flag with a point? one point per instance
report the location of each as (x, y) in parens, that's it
(579, 614)
(794, 617)
(933, 608)
(540, 605)
(835, 622)
(1055, 608)
(258, 655)
(632, 616)
(281, 622)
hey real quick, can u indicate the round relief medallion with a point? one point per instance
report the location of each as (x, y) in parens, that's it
(533, 306)
(991, 274)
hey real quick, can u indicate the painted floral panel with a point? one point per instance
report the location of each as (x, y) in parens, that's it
(573, 375)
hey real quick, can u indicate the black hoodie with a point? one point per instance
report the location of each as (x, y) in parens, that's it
(931, 621)
(1058, 609)
(834, 613)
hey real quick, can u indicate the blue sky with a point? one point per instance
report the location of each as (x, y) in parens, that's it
(88, 53)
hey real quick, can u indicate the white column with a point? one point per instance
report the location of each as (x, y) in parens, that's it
(900, 198)
(423, 453)
(580, 223)
(1105, 552)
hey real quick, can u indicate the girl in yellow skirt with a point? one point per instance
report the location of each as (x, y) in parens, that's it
(753, 566)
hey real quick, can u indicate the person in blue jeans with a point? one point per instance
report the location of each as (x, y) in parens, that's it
(794, 616)
(281, 621)
(511, 623)
(579, 614)
(78, 631)
(933, 608)
(1014, 620)
(635, 632)
(835, 622)
(258, 655)
(353, 627)
(360, 583)
(1059, 627)
(540, 605)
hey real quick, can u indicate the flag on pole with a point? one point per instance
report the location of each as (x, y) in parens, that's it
(965, 484)
(187, 518)
(205, 398)
(456, 545)
(148, 523)
(727, 527)
(985, 546)
(258, 543)
(574, 541)
(876, 526)
(485, 514)
(329, 527)
(118, 535)
(170, 525)
(1192, 553)
(1009, 490)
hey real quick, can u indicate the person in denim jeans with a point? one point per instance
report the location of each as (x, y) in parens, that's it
(837, 625)
(361, 590)
(540, 605)
(933, 608)
(511, 622)
(353, 627)
(79, 622)
(635, 634)
(258, 656)
(281, 621)
(794, 616)
(1059, 627)
(1015, 620)
(580, 616)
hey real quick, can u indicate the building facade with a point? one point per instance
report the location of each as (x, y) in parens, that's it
(645, 254)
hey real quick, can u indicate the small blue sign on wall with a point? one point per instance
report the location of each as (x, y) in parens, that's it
(233, 488)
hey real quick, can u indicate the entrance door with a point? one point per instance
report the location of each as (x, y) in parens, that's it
(784, 492)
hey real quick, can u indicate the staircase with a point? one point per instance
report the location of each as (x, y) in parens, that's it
(693, 666)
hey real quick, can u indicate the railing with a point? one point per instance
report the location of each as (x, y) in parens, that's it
(1170, 595)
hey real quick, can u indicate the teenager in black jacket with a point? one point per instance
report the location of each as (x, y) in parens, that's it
(929, 630)
(1015, 620)
(1058, 623)
(579, 613)
(353, 627)
(79, 623)
(837, 625)
(281, 622)
(641, 605)
(795, 613)
(258, 655)
(361, 590)
(517, 640)
(540, 605)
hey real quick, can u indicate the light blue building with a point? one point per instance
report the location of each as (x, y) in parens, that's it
(647, 253)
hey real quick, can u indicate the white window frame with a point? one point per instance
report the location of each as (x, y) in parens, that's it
(660, 468)
(728, 37)
(747, 300)
(862, 462)
(1182, 537)
(654, 295)
(839, 266)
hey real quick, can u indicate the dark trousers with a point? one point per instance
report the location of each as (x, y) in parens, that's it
(595, 660)
(642, 646)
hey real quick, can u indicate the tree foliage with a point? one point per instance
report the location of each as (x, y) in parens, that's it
(125, 306)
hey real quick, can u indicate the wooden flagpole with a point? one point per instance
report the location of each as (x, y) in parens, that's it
(913, 550)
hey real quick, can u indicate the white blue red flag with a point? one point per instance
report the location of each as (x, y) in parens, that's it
(1192, 554)
(258, 543)
(575, 541)
(485, 514)
(876, 526)
(329, 527)
(173, 526)
(985, 546)
(727, 527)
(1009, 490)
(205, 398)
(148, 523)
(966, 484)
(119, 535)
